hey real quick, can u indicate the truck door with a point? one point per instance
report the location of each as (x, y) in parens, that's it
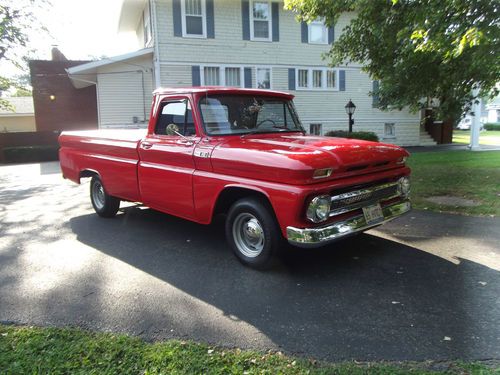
(166, 166)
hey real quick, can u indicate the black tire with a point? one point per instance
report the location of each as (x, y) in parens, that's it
(104, 204)
(248, 221)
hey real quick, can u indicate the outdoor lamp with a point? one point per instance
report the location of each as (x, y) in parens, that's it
(350, 107)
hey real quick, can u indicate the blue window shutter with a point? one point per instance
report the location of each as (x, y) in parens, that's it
(342, 80)
(210, 19)
(375, 97)
(245, 19)
(195, 75)
(248, 77)
(331, 35)
(275, 10)
(304, 32)
(176, 12)
(291, 79)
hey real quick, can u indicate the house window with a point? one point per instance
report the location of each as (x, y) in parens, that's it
(194, 21)
(222, 76)
(233, 77)
(315, 129)
(211, 76)
(303, 81)
(318, 33)
(147, 26)
(260, 22)
(263, 78)
(317, 79)
(389, 130)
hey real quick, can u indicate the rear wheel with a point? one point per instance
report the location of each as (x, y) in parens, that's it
(253, 233)
(104, 204)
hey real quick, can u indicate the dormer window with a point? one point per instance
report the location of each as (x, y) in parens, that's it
(260, 20)
(194, 20)
(318, 32)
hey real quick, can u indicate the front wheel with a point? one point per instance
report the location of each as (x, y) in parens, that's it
(104, 204)
(253, 233)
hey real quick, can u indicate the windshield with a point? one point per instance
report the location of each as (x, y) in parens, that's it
(243, 114)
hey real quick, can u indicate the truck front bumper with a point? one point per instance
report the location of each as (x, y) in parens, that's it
(315, 237)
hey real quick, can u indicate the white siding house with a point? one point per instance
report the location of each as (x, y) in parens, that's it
(245, 43)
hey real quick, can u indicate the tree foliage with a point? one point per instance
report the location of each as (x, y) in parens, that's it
(418, 49)
(16, 19)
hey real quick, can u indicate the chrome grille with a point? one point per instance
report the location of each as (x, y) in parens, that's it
(353, 200)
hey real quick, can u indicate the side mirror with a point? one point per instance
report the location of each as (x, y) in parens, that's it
(172, 129)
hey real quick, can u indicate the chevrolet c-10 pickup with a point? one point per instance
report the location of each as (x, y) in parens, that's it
(245, 154)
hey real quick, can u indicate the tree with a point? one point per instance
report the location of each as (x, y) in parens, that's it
(16, 19)
(422, 51)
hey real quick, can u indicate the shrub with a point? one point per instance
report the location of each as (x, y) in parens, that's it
(27, 154)
(366, 136)
(492, 126)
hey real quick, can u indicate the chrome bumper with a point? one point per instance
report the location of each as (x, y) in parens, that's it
(315, 237)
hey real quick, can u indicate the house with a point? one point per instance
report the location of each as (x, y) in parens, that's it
(242, 43)
(19, 118)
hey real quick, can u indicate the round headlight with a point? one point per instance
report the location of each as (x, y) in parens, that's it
(319, 208)
(404, 186)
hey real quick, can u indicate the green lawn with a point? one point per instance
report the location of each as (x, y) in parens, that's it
(463, 174)
(31, 350)
(489, 137)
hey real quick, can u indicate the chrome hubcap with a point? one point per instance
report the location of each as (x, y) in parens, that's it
(248, 235)
(98, 195)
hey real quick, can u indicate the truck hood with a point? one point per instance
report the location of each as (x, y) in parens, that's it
(292, 158)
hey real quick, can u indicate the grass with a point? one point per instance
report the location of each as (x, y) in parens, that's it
(29, 350)
(463, 174)
(489, 137)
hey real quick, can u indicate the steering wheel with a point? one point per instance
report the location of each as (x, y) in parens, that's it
(263, 121)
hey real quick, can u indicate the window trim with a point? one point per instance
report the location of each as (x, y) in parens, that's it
(203, 21)
(270, 77)
(317, 22)
(323, 79)
(222, 74)
(270, 21)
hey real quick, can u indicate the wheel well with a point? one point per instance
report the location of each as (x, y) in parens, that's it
(232, 194)
(88, 173)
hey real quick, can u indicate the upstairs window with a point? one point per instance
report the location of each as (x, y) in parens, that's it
(260, 21)
(318, 32)
(194, 20)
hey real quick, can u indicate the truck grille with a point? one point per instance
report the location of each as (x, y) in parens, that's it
(356, 199)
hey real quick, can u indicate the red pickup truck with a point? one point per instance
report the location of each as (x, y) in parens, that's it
(243, 153)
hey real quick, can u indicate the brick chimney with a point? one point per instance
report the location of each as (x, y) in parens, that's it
(57, 55)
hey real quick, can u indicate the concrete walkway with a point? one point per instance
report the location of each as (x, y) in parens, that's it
(425, 286)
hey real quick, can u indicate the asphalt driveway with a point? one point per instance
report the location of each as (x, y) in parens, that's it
(426, 286)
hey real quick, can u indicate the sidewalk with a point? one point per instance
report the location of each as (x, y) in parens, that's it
(450, 147)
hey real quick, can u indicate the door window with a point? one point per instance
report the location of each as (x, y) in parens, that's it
(176, 117)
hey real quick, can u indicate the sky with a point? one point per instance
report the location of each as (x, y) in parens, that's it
(81, 29)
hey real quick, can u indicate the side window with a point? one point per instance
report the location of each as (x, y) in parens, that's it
(176, 113)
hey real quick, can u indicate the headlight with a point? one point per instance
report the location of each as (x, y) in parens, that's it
(404, 186)
(402, 160)
(319, 208)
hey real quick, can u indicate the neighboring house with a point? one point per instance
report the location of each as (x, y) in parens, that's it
(58, 104)
(493, 110)
(21, 118)
(242, 43)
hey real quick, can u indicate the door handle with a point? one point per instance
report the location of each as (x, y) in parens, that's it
(184, 142)
(146, 145)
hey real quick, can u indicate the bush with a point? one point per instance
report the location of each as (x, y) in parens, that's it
(28, 154)
(492, 126)
(366, 136)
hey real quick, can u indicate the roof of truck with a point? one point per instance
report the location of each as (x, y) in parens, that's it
(219, 90)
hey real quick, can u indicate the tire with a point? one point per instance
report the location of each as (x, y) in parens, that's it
(253, 233)
(104, 204)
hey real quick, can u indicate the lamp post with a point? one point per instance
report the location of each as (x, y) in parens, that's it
(350, 108)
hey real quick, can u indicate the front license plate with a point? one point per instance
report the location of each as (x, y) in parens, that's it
(373, 214)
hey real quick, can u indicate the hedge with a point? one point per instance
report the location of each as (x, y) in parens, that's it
(27, 154)
(366, 136)
(492, 126)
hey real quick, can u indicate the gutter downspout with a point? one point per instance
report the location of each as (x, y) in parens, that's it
(156, 59)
